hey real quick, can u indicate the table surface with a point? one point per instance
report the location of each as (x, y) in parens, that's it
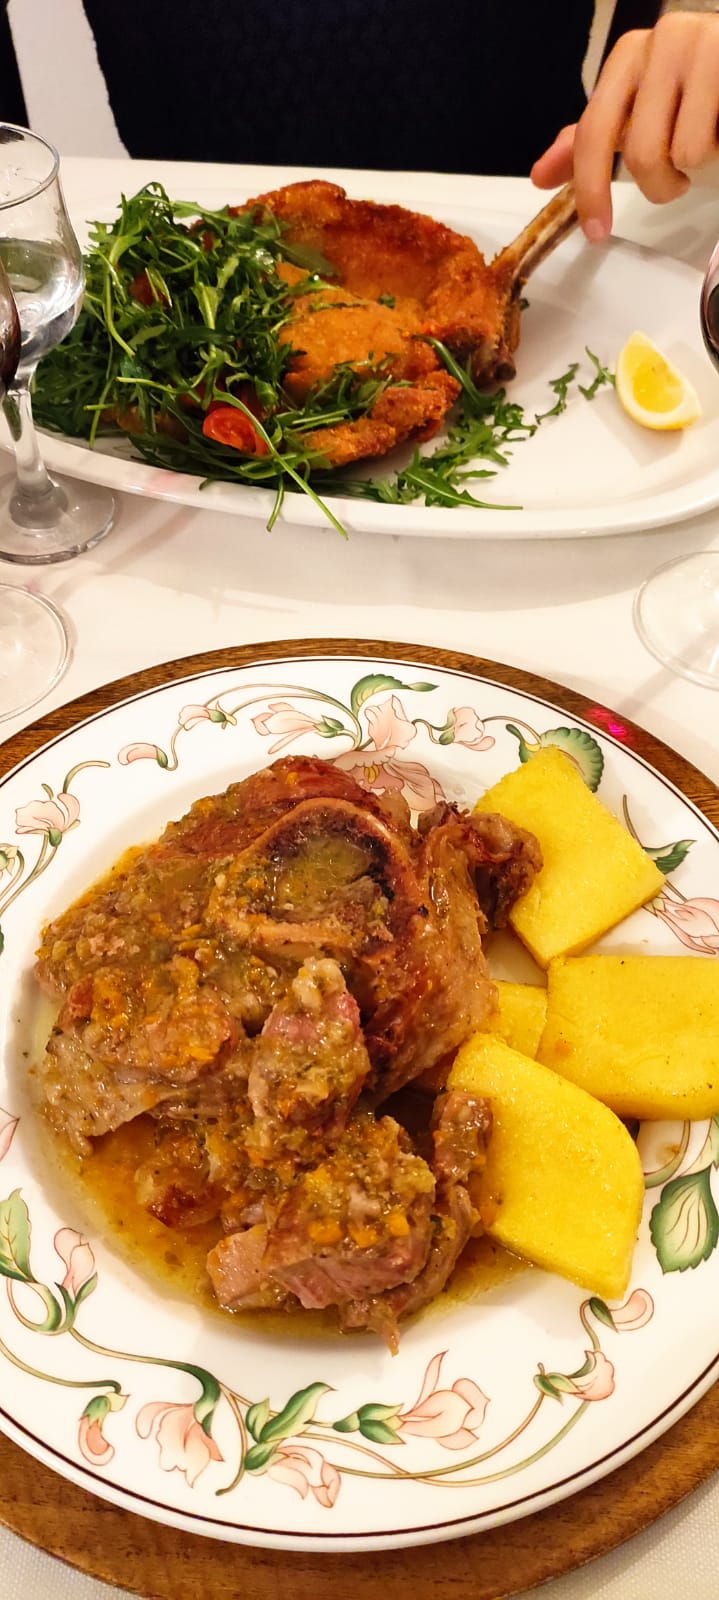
(170, 581)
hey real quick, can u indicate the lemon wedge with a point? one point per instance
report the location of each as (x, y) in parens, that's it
(651, 390)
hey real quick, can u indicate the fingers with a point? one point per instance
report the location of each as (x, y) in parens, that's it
(600, 131)
(672, 127)
(656, 101)
(555, 166)
(694, 141)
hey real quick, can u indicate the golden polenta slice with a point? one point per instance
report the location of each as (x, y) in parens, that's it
(563, 1184)
(639, 1032)
(594, 872)
(520, 1016)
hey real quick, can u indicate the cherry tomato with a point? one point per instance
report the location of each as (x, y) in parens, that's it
(228, 425)
(141, 289)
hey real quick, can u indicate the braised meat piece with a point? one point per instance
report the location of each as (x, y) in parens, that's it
(158, 1022)
(81, 1099)
(258, 981)
(461, 1126)
(126, 1039)
(246, 1132)
(319, 878)
(432, 990)
(461, 1129)
(239, 1278)
(360, 1222)
(308, 1066)
(174, 1185)
(155, 900)
(503, 857)
(136, 917)
(453, 1221)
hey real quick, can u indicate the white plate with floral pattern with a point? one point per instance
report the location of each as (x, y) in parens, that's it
(494, 1407)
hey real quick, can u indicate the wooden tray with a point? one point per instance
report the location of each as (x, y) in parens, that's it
(160, 1563)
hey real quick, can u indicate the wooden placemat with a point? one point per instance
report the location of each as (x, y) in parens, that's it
(161, 1563)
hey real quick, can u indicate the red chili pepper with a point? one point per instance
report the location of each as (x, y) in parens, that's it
(228, 425)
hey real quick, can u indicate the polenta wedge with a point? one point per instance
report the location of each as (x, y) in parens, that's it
(594, 872)
(520, 1016)
(639, 1032)
(563, 1184)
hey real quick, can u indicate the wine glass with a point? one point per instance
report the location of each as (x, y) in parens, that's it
(676, 611)
(34, 646)
(42, 518)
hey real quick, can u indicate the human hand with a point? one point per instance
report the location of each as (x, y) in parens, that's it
(657, 101)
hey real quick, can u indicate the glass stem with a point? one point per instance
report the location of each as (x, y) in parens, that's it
(36, 503)
(33, 483)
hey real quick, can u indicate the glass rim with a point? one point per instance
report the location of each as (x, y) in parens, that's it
(42, 183)
(62, 639)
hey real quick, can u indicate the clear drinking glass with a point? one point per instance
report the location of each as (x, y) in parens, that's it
(42, 518)
(676, 612)
(34, 648)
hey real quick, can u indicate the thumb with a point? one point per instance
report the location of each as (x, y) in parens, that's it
(554, 167)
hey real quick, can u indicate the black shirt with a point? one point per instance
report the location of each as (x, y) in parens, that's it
(441, 85)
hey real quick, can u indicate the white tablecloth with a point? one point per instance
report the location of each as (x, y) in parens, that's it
(170, 581)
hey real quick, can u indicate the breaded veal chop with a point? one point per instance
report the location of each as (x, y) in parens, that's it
(400, 278)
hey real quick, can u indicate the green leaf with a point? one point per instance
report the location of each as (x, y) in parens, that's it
(97, 1408)
(329, 727)
(583, 750)
(372, 684)
(68, 1305)
(545, 1386)
(56, 1312)
(600, 1311)
(602, 375)
(86, 1289)
(257, 1417)
(684, 1225)
(669, 856)
(293, 1417)
(348, 1424)
(15, 1238)
(379, 1433)
(421, 688)
(206, 1403)
(560, 386)
(524, 752)
(259, 1456)
(304, 256)
(374, 1412)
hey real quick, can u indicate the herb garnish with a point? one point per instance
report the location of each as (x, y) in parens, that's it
(602, 375)
(560, 387)
(486, 425)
